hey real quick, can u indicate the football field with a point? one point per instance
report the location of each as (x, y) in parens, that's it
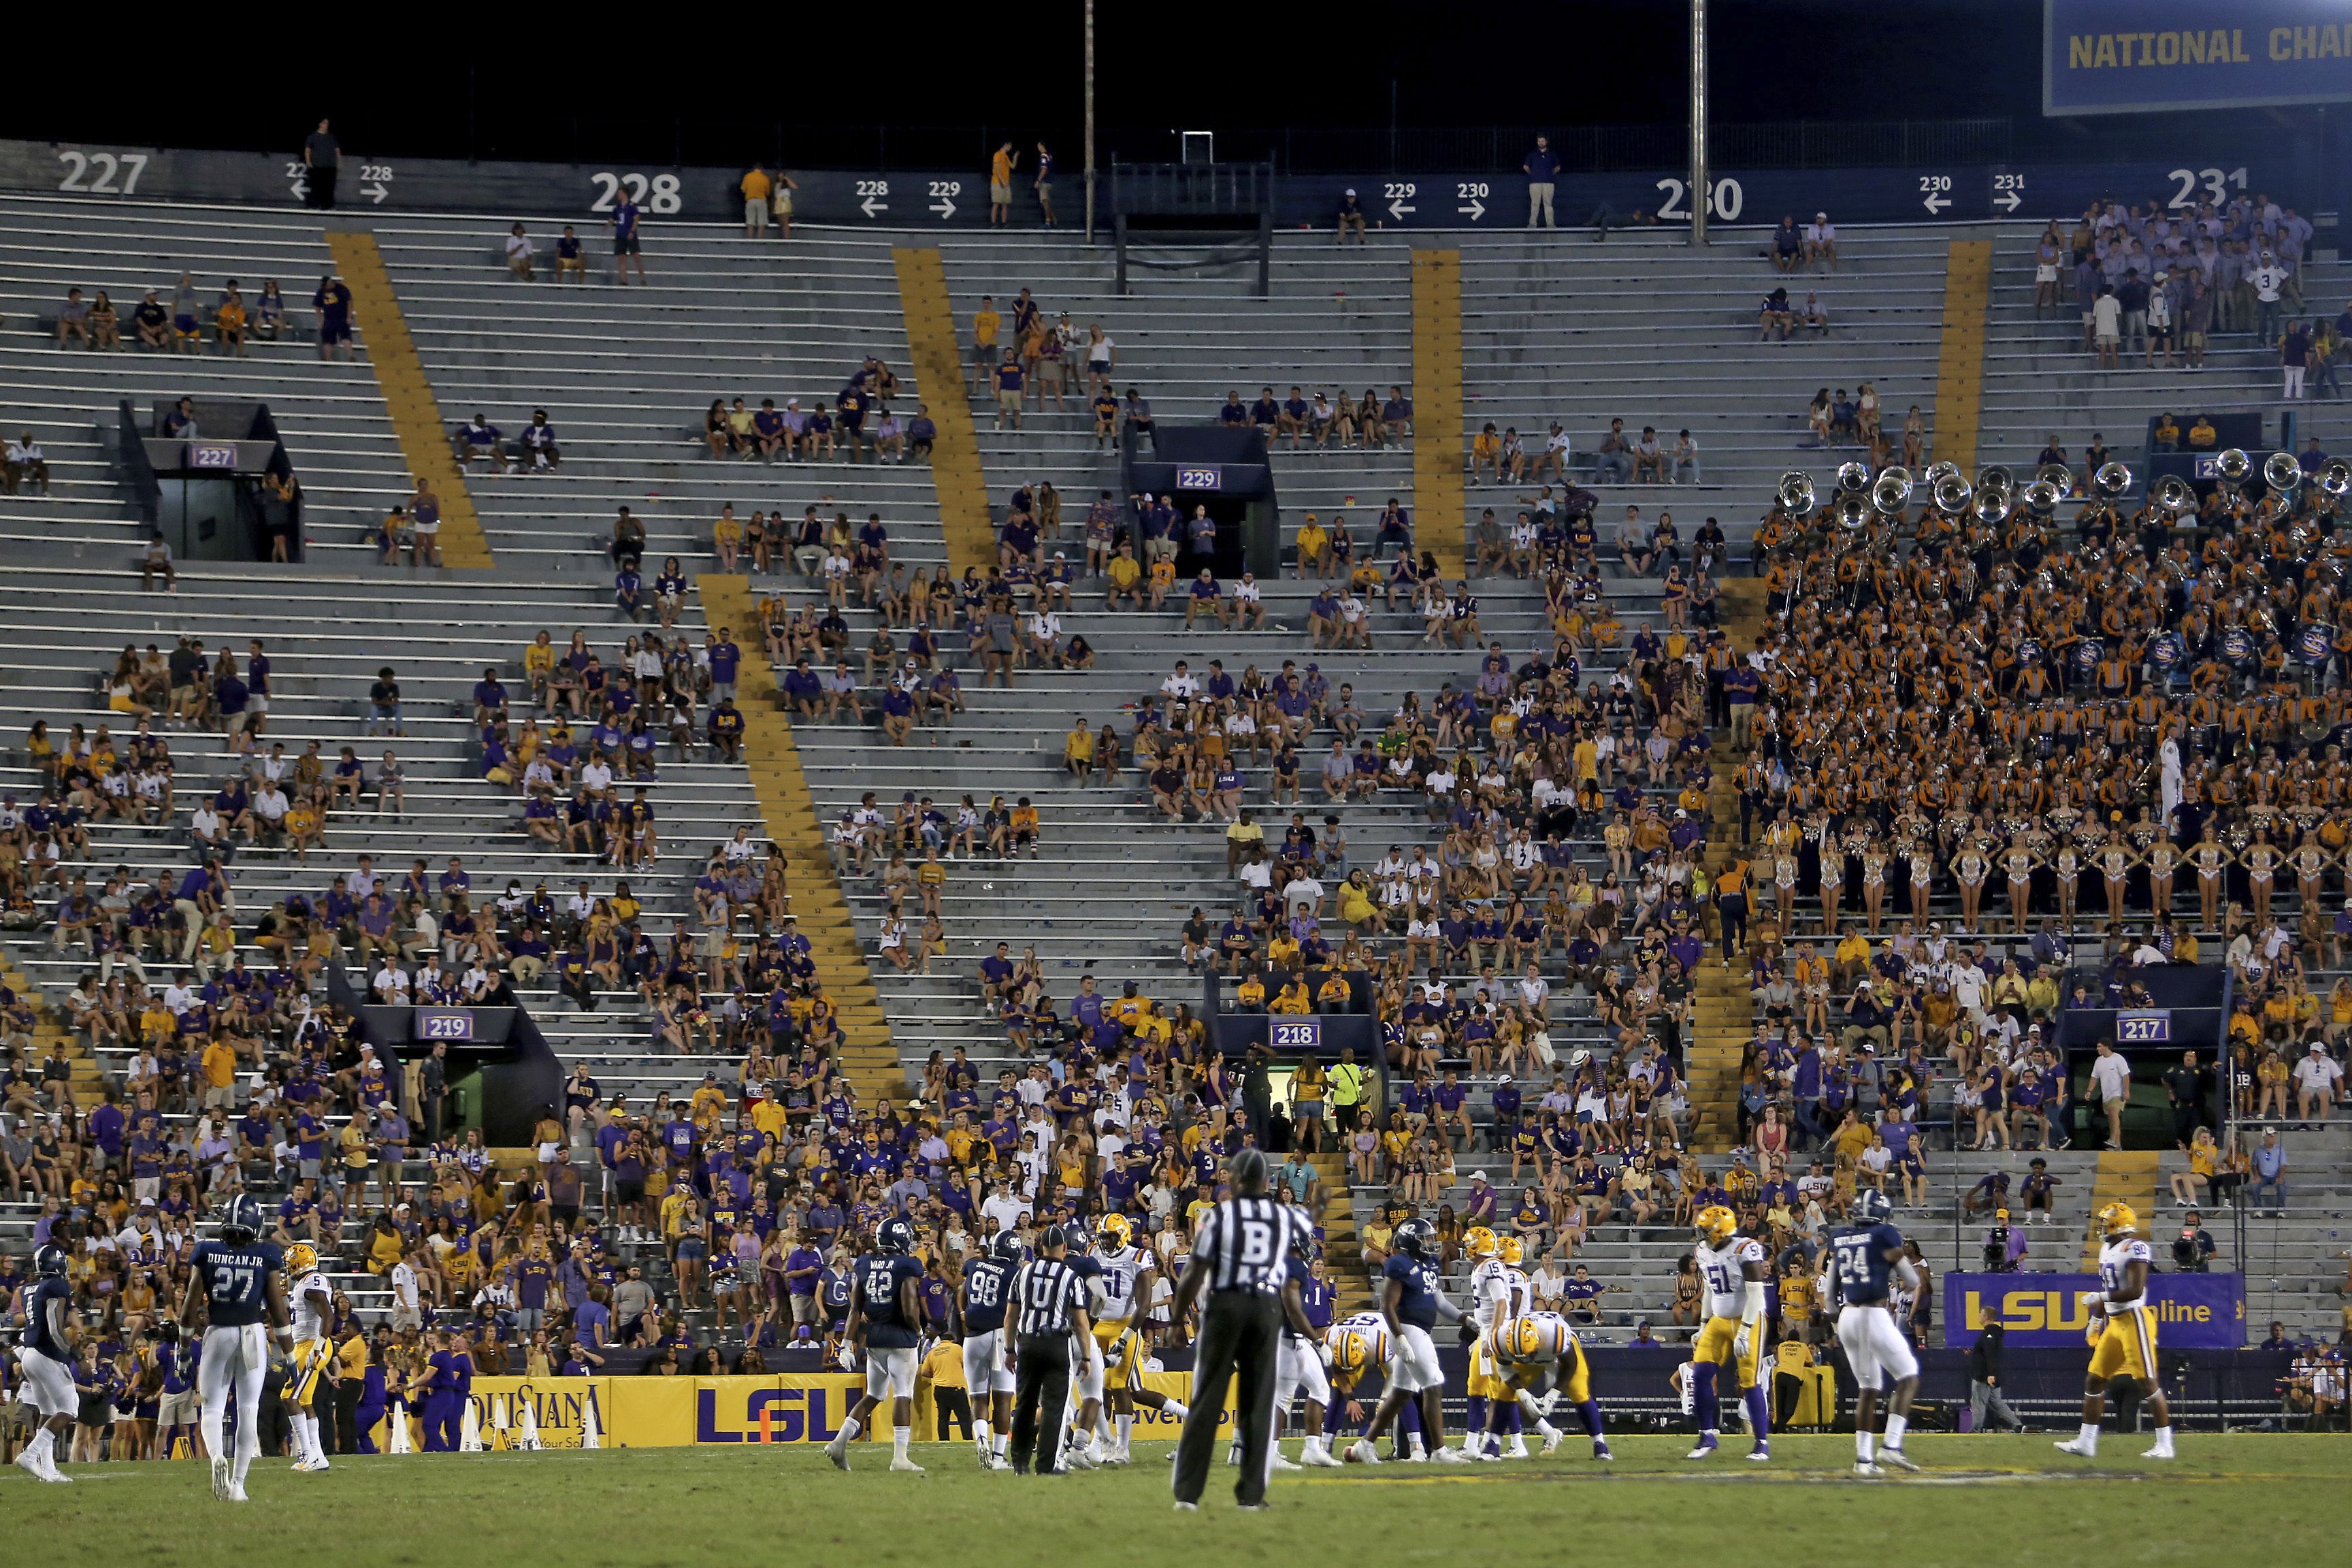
(1982, 1499)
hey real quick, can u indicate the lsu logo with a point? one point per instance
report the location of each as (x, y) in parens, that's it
(766, 1415)
(2029, 1310)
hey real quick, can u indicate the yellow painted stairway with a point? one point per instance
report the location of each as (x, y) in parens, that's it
(415, 413)
(1343, 1252)
(54, 1036)
(2125, 1175)
(789, 814)
(1722, 1013)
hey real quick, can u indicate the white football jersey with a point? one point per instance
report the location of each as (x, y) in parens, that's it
(2113, 1257)
(1121, 1272)
(1722, 1271)
(310, 1322)
(1522, 1293)
(1490, 1293)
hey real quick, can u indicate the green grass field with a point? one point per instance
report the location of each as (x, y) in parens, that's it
(1983, 1499)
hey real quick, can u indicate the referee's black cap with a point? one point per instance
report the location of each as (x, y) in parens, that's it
(1052, 1237)
(1247, 1172)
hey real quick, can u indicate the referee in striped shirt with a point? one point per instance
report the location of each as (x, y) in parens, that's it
(1050, 1300)
(1241, 1257)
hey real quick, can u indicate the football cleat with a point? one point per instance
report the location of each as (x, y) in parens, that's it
(838, 1452)
(1282, 1464)
(1360, 1452)
(1864, 1468)
(1898, 1459)
(1601, 1452)
(1551, 1444)
(1320, 1458)
(906, 1465)
(1759, 1453)
(1452, 1457)
(2074, 1447)
(1707, 1446)
(220, 1476)
(2162, 1451)
(1183, 1507)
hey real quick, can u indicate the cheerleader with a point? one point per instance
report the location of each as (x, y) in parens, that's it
(2260, 861)
(1969, 870)
(2017, 863)
(2212, 861)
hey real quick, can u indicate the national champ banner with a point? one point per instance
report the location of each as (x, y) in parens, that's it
(2124, 57)
(2193, 1311)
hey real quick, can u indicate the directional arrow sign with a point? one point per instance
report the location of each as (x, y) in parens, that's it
(1937, 203)
(376, 193)
(1397, 209)
(2008, 201)
(1477, 209)
(869, 207)
(944, 208)
(302, 190)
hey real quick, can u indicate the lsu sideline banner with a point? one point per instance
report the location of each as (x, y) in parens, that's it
(2126, 57)
(2193, 1311)
(681, 1412)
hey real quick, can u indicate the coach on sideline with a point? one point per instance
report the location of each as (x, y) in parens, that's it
(1241, 1256)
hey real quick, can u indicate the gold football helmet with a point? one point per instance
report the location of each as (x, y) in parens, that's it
(1718, 1223)
(301, 1260)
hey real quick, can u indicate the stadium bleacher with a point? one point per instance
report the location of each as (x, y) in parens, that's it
(1641, 328)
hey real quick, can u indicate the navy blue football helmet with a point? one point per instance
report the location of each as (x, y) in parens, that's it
(50, 1262)
(1415, 1237)
(1006, 1246)
(244, 1218)
(895, 1235)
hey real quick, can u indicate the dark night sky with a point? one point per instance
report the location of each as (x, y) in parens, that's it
(397, 89)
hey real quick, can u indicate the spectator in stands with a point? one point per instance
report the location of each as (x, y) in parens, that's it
(626, 221)
(1613, 463)
(333, 302)
(23, 461)
(539, 448)
(152, 321)
(1010, 380)
(1350, 218)
(519, 254)
(483, 443)
(322, 159)
(1001, 164)
(425, 523)
(1541, 167)
(73, 320)
(570, 260)
(1821, 242)
(187, 326)
(1788, 245)
(268, 321)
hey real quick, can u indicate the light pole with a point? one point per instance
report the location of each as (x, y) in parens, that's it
(1090, 122)
(1700, 187)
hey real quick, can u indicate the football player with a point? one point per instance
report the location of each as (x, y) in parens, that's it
(313, 1305)
(1862, 1266)
(1082, 1435)
(2127, 1333)
(886, 1320)
(986, 1373)
(1412, 1305)
(1489, 1305)
(44, 1353)
(1302, 1366)
(237, 1285)
(1731, 1345)
(1540, 1358)
(1129, 1274)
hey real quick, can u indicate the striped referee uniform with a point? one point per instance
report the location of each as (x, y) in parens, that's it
(1242, 1255)
(1047, 1304)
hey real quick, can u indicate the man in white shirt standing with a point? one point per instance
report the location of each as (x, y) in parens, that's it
(2111, 1081)
(404, 1312)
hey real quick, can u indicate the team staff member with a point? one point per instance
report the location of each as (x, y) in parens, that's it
(1050, 1297)
(1241, 1256)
